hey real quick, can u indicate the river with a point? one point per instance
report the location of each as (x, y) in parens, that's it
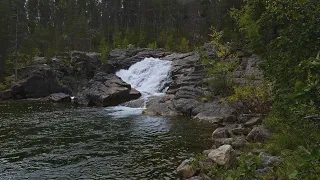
(62, 141)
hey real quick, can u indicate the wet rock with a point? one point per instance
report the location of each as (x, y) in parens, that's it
(224, 155)
(160, 105)
(259, 134)
(124, 58)
(253, 121)
(106, 90)
(58, 97)
(221, 133)
(185, 169)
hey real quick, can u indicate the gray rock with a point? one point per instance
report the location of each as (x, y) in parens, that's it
(185, 169)
(243, 118)
(224, 155)
(253, 121)
(268, 160)
(106, 90)
(196, 178)
(221, 133)
(239, 142)
(240, 130)
(259, 134)
(124, 58)
(263, 171)
(58, 97)
(160, 105)
(223, 141)
(39, 83)
(206, 152)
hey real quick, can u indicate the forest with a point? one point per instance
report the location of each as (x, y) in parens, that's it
(285, 33)
(45, 27)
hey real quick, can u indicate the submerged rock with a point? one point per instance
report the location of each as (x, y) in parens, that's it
(106, 90)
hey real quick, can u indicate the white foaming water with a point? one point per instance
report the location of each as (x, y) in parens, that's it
(149, 76)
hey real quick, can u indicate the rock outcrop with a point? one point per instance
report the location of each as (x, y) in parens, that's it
(38, 83)
(124, 58)
(106, 90)
(58, 97)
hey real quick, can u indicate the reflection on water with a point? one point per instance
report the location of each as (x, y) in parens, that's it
(59, 141)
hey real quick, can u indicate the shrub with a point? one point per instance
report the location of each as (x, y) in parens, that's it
(105, 50)
(6, 84)
(184, 45)
(153, 45)
(251, 99)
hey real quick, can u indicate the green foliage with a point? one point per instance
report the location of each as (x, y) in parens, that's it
(247, 164)
(118, 40)
(251, 99)
(153, 45)
(105, 51)
(170, 44)
(184, 45)
(219, 69)
(6, 84)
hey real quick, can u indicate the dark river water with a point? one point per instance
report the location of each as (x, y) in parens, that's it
(61, 141)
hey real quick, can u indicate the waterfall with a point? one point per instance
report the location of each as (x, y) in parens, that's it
(150, 77)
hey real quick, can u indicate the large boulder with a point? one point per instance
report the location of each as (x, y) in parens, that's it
(160, 105)
(106, 90)
(224, 155)
(38, 83)
(186, 170)
(259, 134)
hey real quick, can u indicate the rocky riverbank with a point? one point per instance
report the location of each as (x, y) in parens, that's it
(82, 75)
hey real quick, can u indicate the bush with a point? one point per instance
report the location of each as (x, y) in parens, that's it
(105, 51)
(6, 84)
(184, 45)
(153, 45)
(251, 99)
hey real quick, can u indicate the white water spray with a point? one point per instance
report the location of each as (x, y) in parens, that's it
(149, 76)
